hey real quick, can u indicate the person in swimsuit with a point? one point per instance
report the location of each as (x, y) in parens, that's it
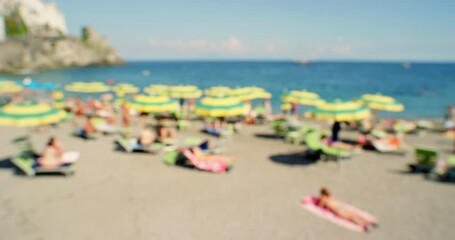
(202, 156)
(146, 138)
(126, 116)
(341, 209)
(54, 155)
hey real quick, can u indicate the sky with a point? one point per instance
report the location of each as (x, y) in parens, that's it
(403, 30)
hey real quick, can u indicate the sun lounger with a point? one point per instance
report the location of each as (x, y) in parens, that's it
(228, 131)
(323, 151)
(297, 136)
(444, 170)
(183, 125)
(131, 145)
(103, 127)
(425, 160)
(279, 126)
(30, 168)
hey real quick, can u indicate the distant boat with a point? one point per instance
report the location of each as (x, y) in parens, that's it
(406, 65)
(302, 62)
(145, 73)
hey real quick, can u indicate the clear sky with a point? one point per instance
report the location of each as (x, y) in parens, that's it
(271, 29)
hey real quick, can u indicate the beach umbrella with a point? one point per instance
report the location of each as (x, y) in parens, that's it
(184, 92)
(59, 101)
(28, 114)
(222, 106)
(340, 111)
(380, 102)
(125, 88)
(157, 89)
(262, 95)
(217, 91)
(303, 98)
(152, 103)
(88, 87)
(10, 87)
(286, 106)
(243, 94)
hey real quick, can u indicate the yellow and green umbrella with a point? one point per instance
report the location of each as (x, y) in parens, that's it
(88, 87)
(157, 89)
(303, 98)
(10, 87)
(381, 103)
(262, 95)
(217, 91)
(243, 94)
(286, 106)
(340, 111)
(152, 104)
(222, 106)
(29, 114)
(125, 88)
(184, 92)
(59, 101)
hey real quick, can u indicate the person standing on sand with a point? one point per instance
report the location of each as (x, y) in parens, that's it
(335, 131)
(126, 116)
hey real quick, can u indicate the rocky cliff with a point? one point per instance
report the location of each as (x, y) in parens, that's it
(36, 40)
(40, 53)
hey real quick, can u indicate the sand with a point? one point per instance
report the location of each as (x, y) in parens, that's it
(117, 195)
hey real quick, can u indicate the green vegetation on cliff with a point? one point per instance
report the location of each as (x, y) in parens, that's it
(14, 25)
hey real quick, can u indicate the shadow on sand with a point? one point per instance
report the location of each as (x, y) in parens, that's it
(266, 136)
(293, 159)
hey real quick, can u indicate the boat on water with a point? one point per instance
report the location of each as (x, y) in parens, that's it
(406, 65)
(302, 62)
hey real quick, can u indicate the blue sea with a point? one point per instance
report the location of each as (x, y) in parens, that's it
(424, 88)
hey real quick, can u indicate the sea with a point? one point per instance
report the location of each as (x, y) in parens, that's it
(426, 89)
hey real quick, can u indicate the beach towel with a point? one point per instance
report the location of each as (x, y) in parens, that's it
(211, 166)
(70, 157)
(310, 203)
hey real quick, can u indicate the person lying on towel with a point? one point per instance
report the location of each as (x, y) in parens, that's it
(340, 209)
(203, 156)
(55, 156)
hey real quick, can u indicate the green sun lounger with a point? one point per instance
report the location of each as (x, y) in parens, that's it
(126, 145)
(26, 165)
(172, 157)
(425, 159)
(317, 148)
(445, 173)
(279, 126)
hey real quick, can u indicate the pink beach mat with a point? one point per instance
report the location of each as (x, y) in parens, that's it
(310, 203)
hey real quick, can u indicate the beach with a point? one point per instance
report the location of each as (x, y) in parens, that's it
(119, 195)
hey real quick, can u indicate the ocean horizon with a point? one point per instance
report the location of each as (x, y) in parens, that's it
(425, 88)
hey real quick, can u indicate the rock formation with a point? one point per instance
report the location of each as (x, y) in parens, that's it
(36, 40)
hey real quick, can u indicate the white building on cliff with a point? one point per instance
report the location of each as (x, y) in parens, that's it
(41, 19)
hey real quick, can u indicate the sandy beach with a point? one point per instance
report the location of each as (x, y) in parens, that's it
(118, 195)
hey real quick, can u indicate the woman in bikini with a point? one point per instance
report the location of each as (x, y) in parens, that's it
(341, 209)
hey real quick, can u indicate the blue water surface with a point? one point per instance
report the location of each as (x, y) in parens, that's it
(425, 88)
